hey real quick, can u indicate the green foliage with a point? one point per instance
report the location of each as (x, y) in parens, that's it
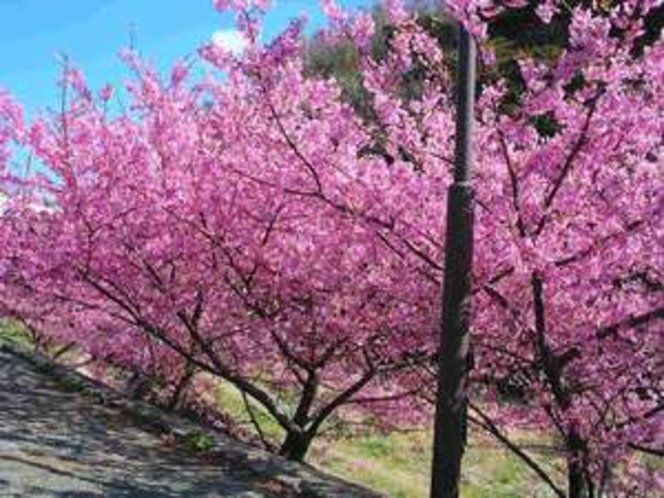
(198, 442)
(528, 34)
(514, 34)
(519, 33)
(341, 61)
(546, 125)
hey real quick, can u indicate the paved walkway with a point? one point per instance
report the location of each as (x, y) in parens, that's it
(60, 442)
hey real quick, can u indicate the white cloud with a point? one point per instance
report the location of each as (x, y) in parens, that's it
(230, 39)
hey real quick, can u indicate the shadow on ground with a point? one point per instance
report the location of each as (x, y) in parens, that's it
(58, 442)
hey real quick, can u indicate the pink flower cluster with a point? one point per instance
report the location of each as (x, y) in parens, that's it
(261, 229)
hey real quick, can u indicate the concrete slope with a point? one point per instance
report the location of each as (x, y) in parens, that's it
(62, 435)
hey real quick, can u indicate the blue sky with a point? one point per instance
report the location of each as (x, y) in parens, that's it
(92, 32)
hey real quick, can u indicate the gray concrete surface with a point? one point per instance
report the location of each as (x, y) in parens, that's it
(61, 436)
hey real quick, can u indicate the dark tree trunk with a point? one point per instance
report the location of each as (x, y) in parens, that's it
(577, 483)
(138, 386)
(575, 480)
(176, 399)
(296, 445)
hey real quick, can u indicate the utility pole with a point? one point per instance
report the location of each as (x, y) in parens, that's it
(451, 399)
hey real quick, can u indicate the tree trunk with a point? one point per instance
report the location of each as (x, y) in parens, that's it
(175, 401)
(296, 445)
(575, 481)
(138, 386)
(576, 473)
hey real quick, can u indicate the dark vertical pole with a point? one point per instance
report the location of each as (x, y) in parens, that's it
(450, 422)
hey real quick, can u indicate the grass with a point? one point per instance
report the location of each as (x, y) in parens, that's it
(14, 333)
(231, 402)
(399, 463)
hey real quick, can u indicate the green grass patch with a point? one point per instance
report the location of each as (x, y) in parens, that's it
(399, 463)
(198, 442)
(232, 403)
(14, 333)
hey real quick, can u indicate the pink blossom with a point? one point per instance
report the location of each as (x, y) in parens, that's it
(260, 223)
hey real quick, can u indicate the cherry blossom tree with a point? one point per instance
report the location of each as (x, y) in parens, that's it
(260, 227)
(164, 250)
